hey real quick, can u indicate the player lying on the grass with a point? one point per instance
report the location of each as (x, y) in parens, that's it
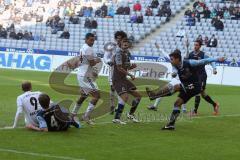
(190, 83)
(122, 84)
(53, 117)
(28, 104)
(110, 50)
(198, 54)
(86, 77)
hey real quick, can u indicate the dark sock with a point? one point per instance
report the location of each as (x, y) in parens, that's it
(197, 102)
(174, 115)
(209, 100)
(135, 104)
(119, 111)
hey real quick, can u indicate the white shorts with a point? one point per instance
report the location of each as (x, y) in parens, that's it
(87, 85)
(175, 81)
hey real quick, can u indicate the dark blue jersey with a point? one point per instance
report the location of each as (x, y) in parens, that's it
(49, 119)
(188, 74)
(199, 56)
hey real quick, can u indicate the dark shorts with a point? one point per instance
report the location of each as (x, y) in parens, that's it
(204, 82)
(123, 86)
(187, 92)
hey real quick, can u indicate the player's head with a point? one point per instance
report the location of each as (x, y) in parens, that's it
(119, 35)
(26, 86)
(44, 100)
(175, 57)
(197, 45)
(125, 44)
(89, 39)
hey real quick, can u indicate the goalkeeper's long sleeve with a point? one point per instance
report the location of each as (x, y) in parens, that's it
(195, 63)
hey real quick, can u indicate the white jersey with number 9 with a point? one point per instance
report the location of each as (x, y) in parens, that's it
(28, 104)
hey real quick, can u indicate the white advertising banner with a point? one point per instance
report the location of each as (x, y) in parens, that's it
(42, 62)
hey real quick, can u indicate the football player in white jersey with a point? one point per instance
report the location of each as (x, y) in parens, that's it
(109, 51)
(86, 77)
(28, 104)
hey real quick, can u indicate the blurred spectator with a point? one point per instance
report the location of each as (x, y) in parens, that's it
(87, 23)
(120, 10)
(20, 35)
(94, 24)
(140, 18)
(133, 18)
(233, 63)
(154, 4)
(188, 12)
(212, 42)
(87, 12)
(74, 19)
(226, 15)
(218, 24)
(11, 27)
(12, 34)
(98, 12)
(111, 11)
(191, 20)
(164, 11)
(206, 13)
(60, 25)
(137, 6)
(206, 41)
(3, 33)
(148, 12)
(65, 34)
(104, 10)
(127, 10)
(26, 35)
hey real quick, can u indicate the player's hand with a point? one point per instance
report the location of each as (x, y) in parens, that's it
(214, 71)
(221, 59)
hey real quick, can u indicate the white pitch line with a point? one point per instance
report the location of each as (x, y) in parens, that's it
(38, 154)
(185, 118)
(202, 117)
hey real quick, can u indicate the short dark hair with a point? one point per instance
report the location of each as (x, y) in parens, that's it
(26, 86)
(88, 35)
(199, 42)
(44, 100)
(176, 54)
(120, 33)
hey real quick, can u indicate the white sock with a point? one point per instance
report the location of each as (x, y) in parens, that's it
(89, 109)
(157, 102)
(76, 108)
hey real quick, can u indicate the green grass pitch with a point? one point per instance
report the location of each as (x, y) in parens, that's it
(202, 138)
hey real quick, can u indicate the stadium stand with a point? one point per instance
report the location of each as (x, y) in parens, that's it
(31, 17)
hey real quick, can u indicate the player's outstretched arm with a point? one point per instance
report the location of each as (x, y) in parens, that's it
(213, 64)
(194, 63)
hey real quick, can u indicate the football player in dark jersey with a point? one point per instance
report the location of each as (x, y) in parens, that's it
(197, 54)
(190, 83)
